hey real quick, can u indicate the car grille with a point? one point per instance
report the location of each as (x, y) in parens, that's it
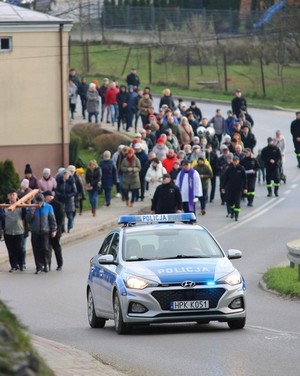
(165, 297)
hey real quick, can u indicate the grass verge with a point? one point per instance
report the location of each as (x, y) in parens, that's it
(283, 280)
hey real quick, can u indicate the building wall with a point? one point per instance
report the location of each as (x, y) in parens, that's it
(31, 114)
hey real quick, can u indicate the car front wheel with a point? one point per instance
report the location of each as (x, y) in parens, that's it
(120, 326)
(237, 324)
(94, 321)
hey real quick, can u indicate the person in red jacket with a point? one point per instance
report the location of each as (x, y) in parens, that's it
(111, 101)
(169, 160)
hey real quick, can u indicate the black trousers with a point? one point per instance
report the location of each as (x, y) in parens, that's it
(15, 251)
(40, 246)
(55, 245)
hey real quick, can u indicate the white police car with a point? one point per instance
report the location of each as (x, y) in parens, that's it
(156, 270)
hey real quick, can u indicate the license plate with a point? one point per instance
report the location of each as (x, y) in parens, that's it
(189, 304)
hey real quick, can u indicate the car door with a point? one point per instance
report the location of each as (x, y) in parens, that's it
(98, 280)
(107, 273)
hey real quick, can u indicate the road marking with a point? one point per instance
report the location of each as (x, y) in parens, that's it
(249, 217)
(273, 333)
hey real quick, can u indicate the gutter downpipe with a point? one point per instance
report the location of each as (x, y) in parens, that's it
(62, 97)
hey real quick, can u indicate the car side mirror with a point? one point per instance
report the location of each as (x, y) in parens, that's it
(234, 254)
(106, 259)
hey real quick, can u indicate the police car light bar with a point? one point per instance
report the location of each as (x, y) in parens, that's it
(150, 218)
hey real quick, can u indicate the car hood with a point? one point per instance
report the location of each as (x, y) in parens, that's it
(177, 271)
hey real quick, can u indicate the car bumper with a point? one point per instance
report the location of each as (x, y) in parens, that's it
(158, 309)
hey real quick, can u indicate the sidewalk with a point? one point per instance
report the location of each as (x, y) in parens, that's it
(65, 360)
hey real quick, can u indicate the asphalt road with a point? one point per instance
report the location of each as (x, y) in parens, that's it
(54, 305)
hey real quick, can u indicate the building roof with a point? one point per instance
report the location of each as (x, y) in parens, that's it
(11, 15)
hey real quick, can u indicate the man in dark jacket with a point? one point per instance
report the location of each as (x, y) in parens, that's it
(234, 184)
(81, 91)
(271, 157)
(167, 197)
(251, 166)
(59, 217)
(238, 102)
(123, 99)
(295, 131)
(42, 225)
(133, 79)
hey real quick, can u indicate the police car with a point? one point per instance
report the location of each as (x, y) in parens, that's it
(163, 268)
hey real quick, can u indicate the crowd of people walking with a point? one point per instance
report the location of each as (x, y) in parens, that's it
(177, 161)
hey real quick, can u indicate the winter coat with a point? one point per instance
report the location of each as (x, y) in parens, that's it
(144, 105)
(47, 184)
(93, 178)
(42, 220)
(166, 199)
(154, 177)
(111, 96)
(186, 133)
(168, 100)
(205, 174)
(109, 173)
(131, 179)
(92, 104)
(72, 90)
(65, 193)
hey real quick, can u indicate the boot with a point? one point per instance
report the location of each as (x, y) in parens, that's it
(236, 216)
(276, 191)
(94, 212)
(269, 192)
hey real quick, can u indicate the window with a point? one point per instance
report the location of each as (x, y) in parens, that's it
(5, 44)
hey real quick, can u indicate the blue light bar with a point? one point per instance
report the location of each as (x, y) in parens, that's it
(154, 218)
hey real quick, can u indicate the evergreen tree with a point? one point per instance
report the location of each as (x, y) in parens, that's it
(9, 179)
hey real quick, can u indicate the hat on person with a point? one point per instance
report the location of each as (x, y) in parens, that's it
(229, 112)
(164, 106)
(166, 176)
(28, 169)
(46, 171)
(147, 127)
(185, 161)
(196, 138)
(12, 191)
(193, 103)
(25, 183)
(247, 150)
(201, 158)
(137, 135)
(65, 171)
(105, 79)
(39, 197)
(138, 146)
(196, 147)
(238, 90)
(235, 158)
(47, 193)
(270, 139)
(71, 168)
(160, 140)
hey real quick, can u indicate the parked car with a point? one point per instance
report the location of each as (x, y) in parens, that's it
(153, 269)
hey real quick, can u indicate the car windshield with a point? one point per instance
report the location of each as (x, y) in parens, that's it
(160, 244)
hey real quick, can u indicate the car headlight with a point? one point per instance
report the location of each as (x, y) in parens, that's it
(136, 283)
(139, 283)
(232, 279)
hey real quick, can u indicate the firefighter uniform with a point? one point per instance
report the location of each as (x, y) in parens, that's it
(235, 181)
(251, 166)
(271, 157)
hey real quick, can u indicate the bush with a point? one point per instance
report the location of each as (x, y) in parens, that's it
(9, 179)
(88, 133)
(74, 147)
(110, 141)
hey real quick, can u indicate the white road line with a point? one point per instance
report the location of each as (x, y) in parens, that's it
(249, 217)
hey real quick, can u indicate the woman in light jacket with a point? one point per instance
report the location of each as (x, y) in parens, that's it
(154, 175)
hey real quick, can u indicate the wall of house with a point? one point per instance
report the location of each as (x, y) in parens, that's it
(30, 102)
